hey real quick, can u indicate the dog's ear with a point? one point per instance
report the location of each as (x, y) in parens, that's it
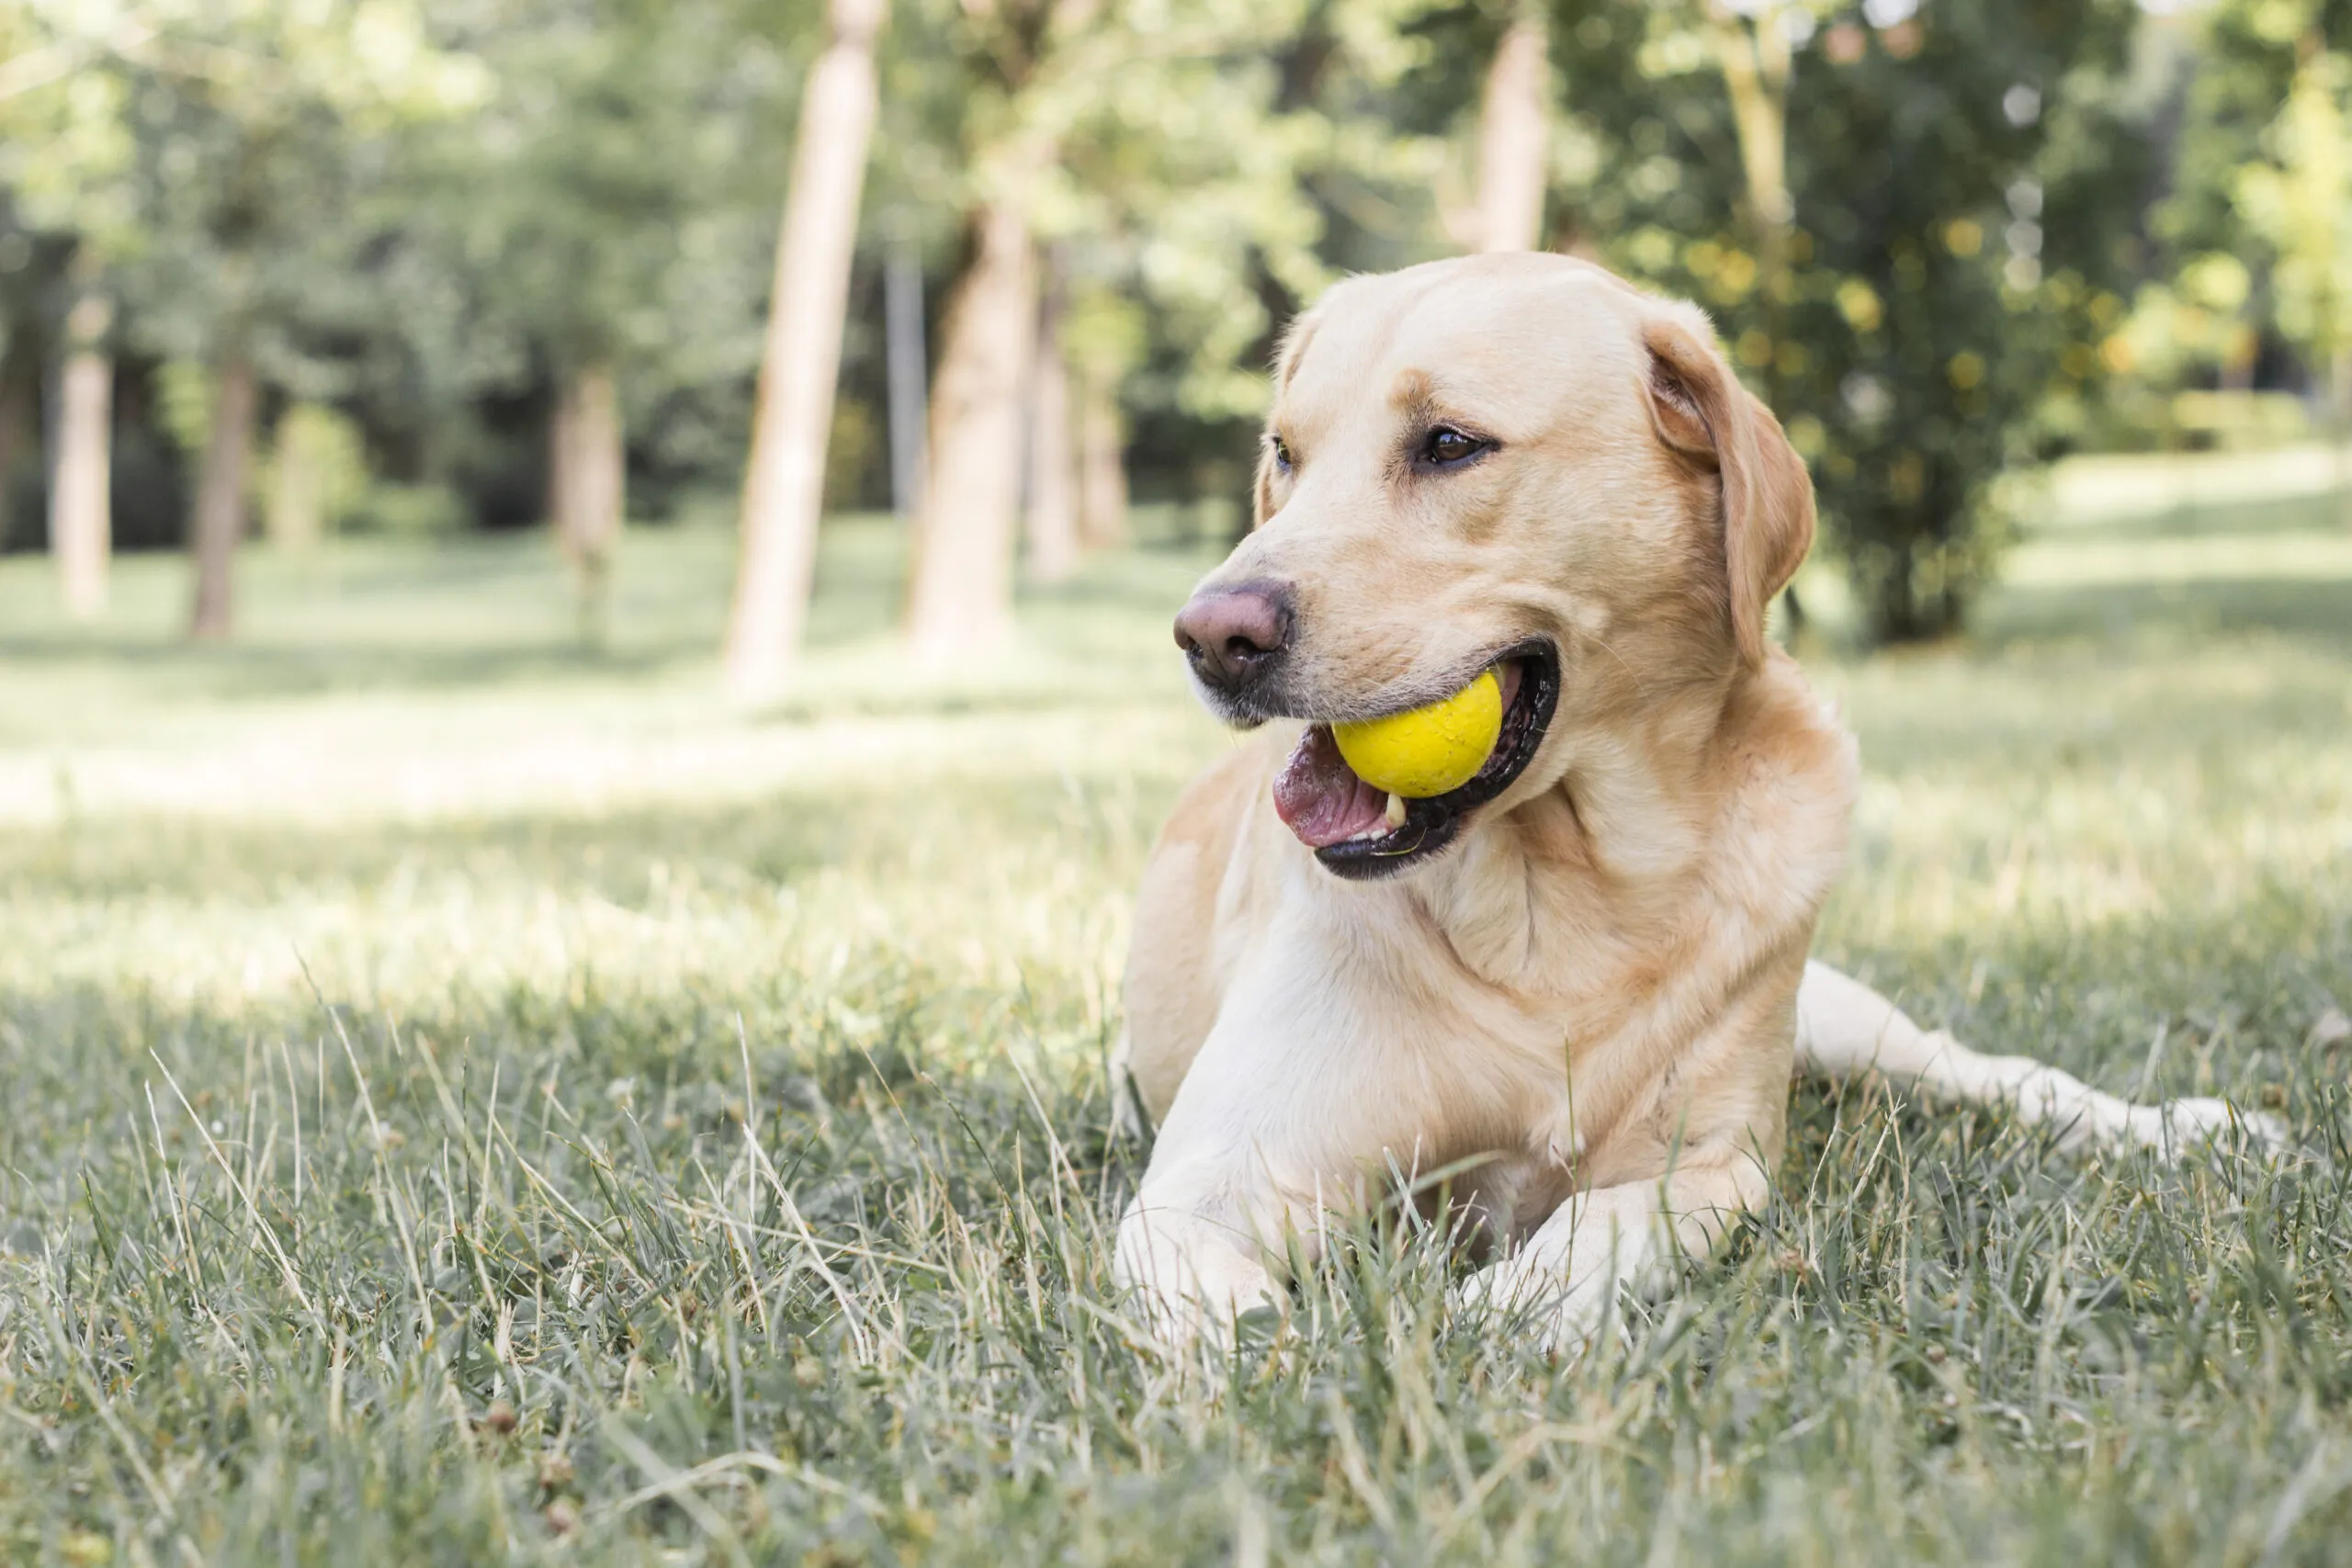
(1702, 412)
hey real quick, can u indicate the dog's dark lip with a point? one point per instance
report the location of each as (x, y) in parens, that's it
(1431, 825)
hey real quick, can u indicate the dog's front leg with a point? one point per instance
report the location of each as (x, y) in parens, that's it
(1194, 1268)
(1291, 1099)
(1215, 1213)
(1568, 1275)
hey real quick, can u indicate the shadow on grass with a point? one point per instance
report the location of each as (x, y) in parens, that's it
(2196, 517)
(623, 856)
(2316, 610)
(499, 612)
(307, 667)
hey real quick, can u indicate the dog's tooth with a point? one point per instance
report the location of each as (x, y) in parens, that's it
(1395, 811)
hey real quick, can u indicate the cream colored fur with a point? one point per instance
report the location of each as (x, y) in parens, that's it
(1590, 1007)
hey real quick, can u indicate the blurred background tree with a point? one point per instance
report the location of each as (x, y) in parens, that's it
(228, 150)
(783, 477)
(1918, 278)
(2295, 196)
(596, 218)
(70, 222)
(423, 266)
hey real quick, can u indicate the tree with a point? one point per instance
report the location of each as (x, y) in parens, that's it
(783, 480)
(1052, 517)
(2250, 238)
(587, 484)
(1101, 335)
(315, 473)
(1102, 463)
(238, 208)
(2298, 200)
(76, 187)
(1019, 87)
(1752, 53)
(1192, 157)
(1959, 180)
(590, 240)
(1512, 135)
(20, 378)
(221, 487)
(81, 514)
(960, 597)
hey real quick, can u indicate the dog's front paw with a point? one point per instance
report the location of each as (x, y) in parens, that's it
(1565, 1315)
(1188, 1278)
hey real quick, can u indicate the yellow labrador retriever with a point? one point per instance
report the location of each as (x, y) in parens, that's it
(1580, 979)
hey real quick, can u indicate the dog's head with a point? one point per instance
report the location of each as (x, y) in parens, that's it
(1517, 461)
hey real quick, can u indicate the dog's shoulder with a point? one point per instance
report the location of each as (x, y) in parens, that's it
(1778, 721)
(1790, 771)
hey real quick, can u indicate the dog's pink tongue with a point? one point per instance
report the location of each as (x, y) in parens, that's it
(1319, 797)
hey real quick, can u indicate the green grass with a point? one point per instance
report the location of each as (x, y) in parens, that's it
(475, 1099)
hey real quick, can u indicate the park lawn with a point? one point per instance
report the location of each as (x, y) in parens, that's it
(472, 1097)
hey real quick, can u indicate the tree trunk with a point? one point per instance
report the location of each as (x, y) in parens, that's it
(783, 481)
(1102, 463)
(220, 519)
(16, 401)
(81, 517)
(1511, 139)
(1912, 619)
(2340, 395)
(902, 329)
(1053, 458)
(560, 465)
(587, 482)
(587, 471)
(1906, 594)
(960, 597)
(1754, 56)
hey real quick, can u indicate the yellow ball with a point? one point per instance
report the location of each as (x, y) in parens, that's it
(1428, 750)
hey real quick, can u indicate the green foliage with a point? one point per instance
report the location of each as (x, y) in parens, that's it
(415, 210)
(251, 138)
(1962, 183)
(2299, 201)
(425, 510)
(2253, 247)
(1204, 151)
(425, 213)
(184, 404)
(315, 473)
(610, 202)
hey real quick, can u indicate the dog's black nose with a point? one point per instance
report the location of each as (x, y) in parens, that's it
(1233, 634)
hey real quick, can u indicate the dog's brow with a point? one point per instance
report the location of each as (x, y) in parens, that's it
(1412, 391)
(1421, 398)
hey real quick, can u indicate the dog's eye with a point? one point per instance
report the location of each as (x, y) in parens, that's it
(1445, 447)
(1282, 452)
